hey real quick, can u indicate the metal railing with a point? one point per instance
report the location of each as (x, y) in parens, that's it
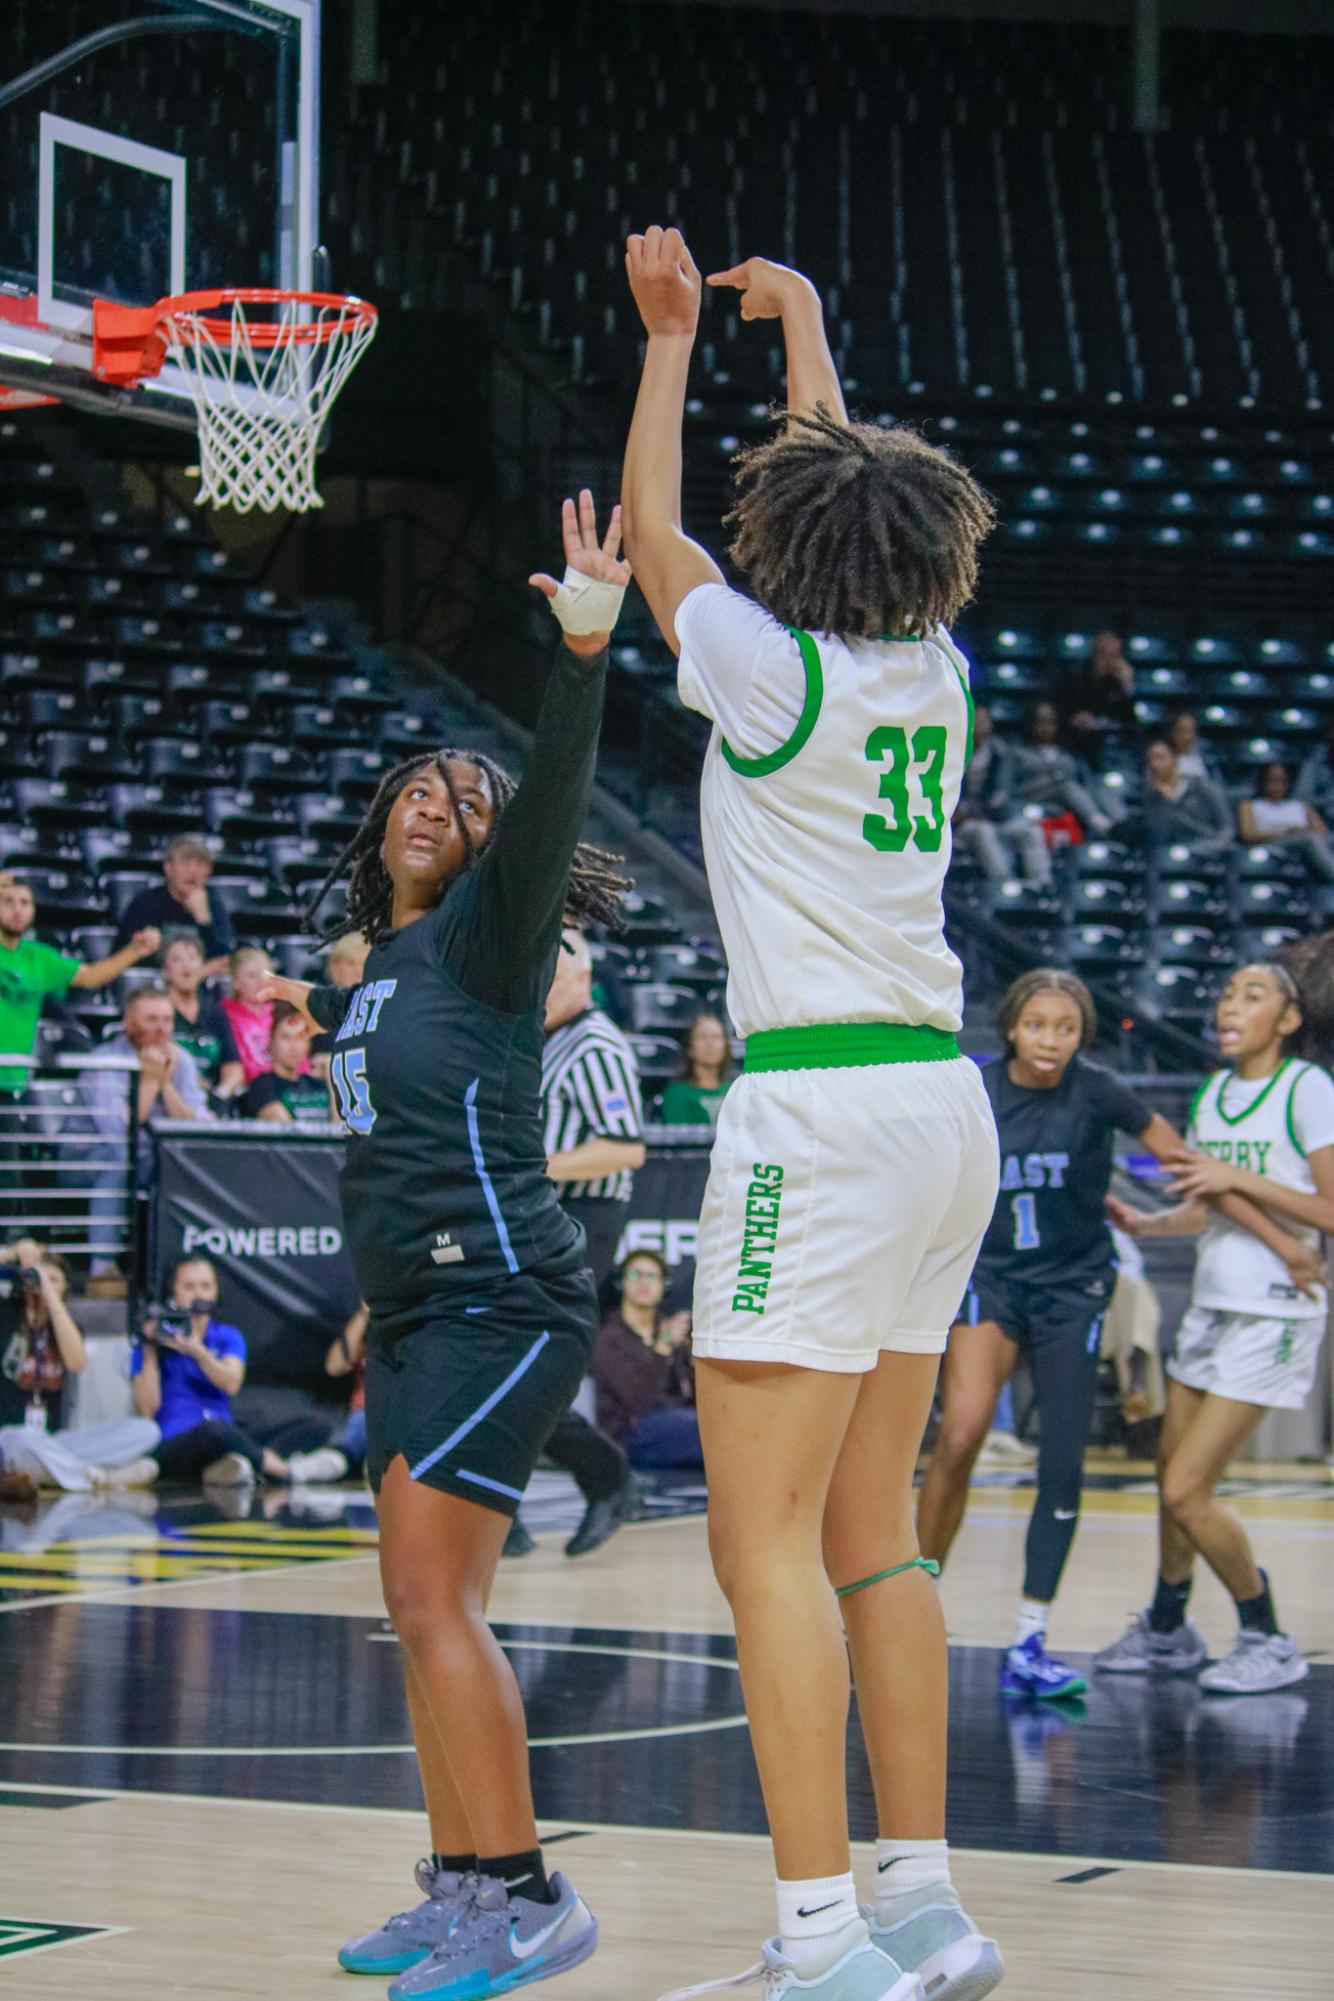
(68, 1154)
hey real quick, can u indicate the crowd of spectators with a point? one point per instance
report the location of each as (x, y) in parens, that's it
(1047, 787)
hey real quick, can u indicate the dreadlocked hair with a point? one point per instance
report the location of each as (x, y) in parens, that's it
(857, 528)
(596, 889)
(1305, 966)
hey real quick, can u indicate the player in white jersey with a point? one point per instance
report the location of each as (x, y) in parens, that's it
(855, 1165)
(1261, 1128)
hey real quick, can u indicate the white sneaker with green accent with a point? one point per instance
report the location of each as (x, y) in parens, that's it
(1258, 1663)
(851, 1969)
(929, 1933)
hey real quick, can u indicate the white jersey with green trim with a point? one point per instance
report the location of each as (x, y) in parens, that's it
(1268, 1126)
(829, 785)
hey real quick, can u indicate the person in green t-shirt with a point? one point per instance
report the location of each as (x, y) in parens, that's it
(694, 1098)
(29, 971)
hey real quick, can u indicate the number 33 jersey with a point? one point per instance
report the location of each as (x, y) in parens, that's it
(829, 784)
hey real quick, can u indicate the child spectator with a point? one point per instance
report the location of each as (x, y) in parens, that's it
(186, 1372)
(694, 1098)
(643, 1373)
(251, 1018)
(287, 1093)
(201, 1027)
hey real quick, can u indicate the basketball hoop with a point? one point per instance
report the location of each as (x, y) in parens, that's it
(262, 387)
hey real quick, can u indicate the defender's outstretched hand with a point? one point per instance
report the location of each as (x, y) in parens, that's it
(608, 573)
(664, 281)
(767, 289)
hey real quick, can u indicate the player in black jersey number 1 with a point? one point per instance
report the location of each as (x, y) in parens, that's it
(1040, 1287)
(482, 1310)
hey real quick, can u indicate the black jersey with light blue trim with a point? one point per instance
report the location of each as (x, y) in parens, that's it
(437, 1052)
(1056, 1156)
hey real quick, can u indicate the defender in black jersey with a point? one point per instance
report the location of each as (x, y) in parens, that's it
(1041, 1285)
(482, 1312)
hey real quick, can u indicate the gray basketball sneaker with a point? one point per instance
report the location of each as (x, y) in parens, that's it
(413, 1935)
(498, 1942)
(1142, 1651)
(1259, 1663)
(930, 1934)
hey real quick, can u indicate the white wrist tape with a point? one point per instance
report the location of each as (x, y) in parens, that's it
(583, 604)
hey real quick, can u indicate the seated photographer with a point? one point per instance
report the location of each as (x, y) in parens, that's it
(288, 1093)
(187, 1367)
(643, 1372)
(41, 1347)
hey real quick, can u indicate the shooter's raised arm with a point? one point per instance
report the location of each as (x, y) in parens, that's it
(668, 565)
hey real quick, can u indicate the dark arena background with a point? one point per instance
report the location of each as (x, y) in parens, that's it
(1087, 245)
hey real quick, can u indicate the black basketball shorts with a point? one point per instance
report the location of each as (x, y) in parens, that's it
(1034, 1315)
(470, 1397)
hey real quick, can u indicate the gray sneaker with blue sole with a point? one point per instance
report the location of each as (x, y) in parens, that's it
(413, 1935)
(498, 1942)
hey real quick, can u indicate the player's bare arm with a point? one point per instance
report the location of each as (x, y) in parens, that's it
(772, 291)
(666, 289)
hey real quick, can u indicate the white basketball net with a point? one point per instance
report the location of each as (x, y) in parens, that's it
(261, 405)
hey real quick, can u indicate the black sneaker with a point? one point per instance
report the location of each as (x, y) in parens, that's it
(602, 1519)
(518, 1542)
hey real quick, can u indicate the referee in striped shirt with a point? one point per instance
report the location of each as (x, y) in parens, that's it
(593, 1125)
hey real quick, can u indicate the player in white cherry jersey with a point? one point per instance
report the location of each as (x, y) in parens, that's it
(1249, 1341)
(855, 1166)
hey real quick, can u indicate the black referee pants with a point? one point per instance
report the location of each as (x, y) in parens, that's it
(595, 1462)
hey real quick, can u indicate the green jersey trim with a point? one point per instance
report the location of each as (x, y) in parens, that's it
(764, 767)
(956, 661)
(848, 1045)
(1287, 1115)
(1235, 1118)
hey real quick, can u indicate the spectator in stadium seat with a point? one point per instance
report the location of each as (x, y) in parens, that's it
(1046, 775)
(29, 971)
(1195, 757)
(185, 1375)
(1315, 780)
(695, 1097)
(1173, 808)
(1273, 818)
(287, 1093)
(169, 1086)
(344, 963)
(1099, 698)
(201, 1026)
(250, 1016)
(986, 824)
(183, 902)
(41, 1348)
(644, 1375)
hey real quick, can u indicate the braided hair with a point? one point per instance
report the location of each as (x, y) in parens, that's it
(596, 887)
(857, 529)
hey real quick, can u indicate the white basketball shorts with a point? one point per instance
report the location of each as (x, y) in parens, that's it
(843, 1214)
(1237, 1355)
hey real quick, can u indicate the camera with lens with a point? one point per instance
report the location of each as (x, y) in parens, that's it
(171, 1321)
(30, 1278)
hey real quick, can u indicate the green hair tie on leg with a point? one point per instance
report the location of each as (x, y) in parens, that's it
(926, 1563)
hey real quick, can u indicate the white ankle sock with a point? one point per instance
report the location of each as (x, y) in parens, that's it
(810, 1913)
(901, 1866)
(1031, 1618)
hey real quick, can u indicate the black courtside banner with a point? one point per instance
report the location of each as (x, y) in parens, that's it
(263, 1204)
